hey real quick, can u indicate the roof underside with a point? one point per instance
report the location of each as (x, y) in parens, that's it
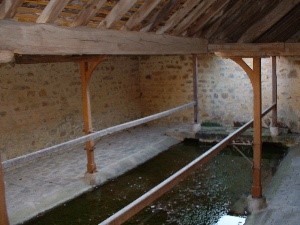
(218, 21)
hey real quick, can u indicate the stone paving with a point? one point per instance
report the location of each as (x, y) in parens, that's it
(40, 185)
(282, 194)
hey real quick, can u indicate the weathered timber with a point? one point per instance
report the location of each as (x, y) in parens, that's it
(192, 17)
(274, 92)
(6, 56)
(195, 89)
(146, 199)
(255, 49)
(117, 12)
(52, 10)
(34, 59)
(89, 11)
(141, 14)
(178, 16)
(210, 13)
(42, 39)
(93, 136)
(268, 21)
(8, 8)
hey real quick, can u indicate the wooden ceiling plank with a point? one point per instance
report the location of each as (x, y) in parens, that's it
(8, 8)
(22, 38)
(141, 14)
(51, 11)
(178, 16)
(163, 13)
(89, 11)
(268, 21)
(192, 16)
(116, 13)
(213, 10)
(213, 29)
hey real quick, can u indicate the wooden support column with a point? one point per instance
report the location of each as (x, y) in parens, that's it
(195, 89)
(3, 209)
(255, 77)
(86, 70)
(274, 92)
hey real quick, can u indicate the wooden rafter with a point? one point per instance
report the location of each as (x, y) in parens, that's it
(192, 16)
(141, 14)
(89, 11)
(162, 14)
(210, 13)
(8, 8)
(178, 16)
(22, 38)
(117, 12)
(213, 29)
(268, 21)
(52, 10)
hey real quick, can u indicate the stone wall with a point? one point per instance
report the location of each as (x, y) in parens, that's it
(41, 104)
(225, 91)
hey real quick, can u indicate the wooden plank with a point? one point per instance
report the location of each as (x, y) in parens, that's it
(141, 14)
(89, 11)
(34, 59)
(6, 56)
(117, 12)
(42, 39)
(146, 199)
(51, 11)
(93, 136)
(255, 49)
(3, 208)
(8, 8)
(178, 16)
(213, 10)
(163, 13)
(191, 18)
(268, 21)
(274, 92)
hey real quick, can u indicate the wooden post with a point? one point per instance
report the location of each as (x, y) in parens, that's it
(274, 92)
(257, 140)
(86, 70)
(255, 77)
(3, 209)
(195, 89)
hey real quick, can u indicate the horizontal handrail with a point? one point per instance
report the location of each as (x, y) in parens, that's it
(92, 136)
(156, 192)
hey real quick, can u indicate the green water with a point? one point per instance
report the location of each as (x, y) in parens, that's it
(201, 199)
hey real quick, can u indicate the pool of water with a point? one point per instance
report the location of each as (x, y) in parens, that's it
(202, 199)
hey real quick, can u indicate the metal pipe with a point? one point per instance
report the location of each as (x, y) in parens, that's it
(156, 192)
(92, 136)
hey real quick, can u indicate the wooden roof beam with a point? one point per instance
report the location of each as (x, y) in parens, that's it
(8, 8)
(89, 11)
(210, 13)
(178, 16)
(42, 39)
(141, 14)
(163, 13)
(255, 49)
(261, 26)
(116, 13)
(192, 16)
(51, 11)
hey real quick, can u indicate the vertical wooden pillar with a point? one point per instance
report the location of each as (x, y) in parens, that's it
(3, 209)
(274, 92)
(86, 70)
(255, 77)
(257, 140)
(195, 89)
